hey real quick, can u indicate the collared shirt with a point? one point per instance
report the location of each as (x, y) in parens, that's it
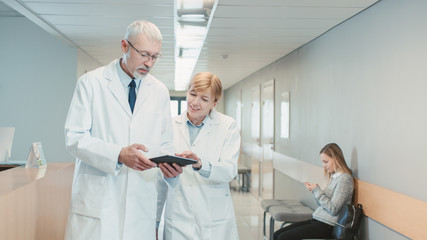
(193, 131)
(126, 79)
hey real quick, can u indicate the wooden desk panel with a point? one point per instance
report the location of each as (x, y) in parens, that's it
(34, 202)
(399, 212)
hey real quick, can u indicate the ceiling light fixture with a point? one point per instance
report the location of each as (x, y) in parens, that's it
(191, 26)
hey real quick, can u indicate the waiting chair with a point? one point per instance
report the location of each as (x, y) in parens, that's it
(284, 210)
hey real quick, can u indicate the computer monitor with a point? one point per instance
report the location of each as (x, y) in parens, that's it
(6, 140)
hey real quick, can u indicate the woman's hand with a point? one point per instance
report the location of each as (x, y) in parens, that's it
(310, 186)
(191, 155)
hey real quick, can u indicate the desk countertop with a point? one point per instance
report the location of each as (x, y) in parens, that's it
(13, 163)
(20, 176)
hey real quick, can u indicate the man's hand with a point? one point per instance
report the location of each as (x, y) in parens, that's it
(133, 157)
(170, 171)
(191, 155)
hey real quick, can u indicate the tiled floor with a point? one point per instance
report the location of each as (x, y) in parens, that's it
(249, 215)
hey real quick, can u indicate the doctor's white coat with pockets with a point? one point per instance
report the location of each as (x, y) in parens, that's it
(200, 208)
(110, 200)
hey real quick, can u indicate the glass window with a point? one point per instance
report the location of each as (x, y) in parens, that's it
(178, 105)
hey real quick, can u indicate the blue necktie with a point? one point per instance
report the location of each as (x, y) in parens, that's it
(132, 95)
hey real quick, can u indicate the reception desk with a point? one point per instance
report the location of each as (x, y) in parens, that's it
(8, 165)
(34, 202)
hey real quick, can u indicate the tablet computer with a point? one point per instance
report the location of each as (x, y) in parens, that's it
(173, 159)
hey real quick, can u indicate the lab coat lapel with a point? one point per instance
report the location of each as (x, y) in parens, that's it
(143, 92)
(210, 123)
(204, 132)
(116, 87)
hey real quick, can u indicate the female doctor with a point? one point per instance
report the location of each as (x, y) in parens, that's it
(200, 207)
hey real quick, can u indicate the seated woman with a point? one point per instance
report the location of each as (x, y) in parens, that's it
(337, 193)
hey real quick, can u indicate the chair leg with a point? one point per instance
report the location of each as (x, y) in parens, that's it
(244, 182)
(271, 228)
(249, 181)
(263, 225)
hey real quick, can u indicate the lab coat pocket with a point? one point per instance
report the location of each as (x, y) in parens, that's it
(90, 195)
(220, 204)
(83, 227)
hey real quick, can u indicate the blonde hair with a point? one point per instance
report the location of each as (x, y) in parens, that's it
(203, 81)
(334, 151)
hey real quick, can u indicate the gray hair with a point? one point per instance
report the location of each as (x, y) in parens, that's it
(144, 27)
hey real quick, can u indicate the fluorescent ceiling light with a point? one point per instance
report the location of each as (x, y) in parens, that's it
(191, 26)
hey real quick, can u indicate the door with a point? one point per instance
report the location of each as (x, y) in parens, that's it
(254, 139)
(267, 139)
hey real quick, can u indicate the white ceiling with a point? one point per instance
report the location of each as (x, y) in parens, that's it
(252, 33)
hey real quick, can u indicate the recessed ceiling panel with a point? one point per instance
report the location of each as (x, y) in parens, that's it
(251, 34)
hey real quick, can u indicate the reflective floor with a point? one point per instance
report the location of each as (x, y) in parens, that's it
(249, 215)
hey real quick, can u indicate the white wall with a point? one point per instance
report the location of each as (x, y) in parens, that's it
(85, 63)
(37, 79)
(362, 85)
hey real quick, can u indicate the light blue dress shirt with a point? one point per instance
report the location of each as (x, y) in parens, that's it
(193, 131)
(126, 79)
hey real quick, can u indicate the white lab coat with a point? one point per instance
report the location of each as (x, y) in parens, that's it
(110, 200)
(201, 208)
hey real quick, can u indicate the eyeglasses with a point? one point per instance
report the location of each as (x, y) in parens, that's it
(145, 56)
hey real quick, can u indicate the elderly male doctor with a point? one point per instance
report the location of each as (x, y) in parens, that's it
(120, 117)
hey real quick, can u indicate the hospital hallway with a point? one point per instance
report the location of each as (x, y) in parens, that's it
(249, 215)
